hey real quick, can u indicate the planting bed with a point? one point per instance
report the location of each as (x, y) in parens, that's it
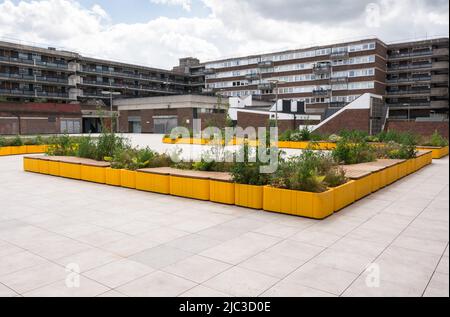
(218, 187)
(23, 149)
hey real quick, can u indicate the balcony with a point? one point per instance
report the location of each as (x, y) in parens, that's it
(265, 64)
(32, 93)
(321, 92)
(439, 78)
(322, 68)
(409, 92)
(265, 86)
(439, 104)
(440, 52)
(410, 54)
(207, 90)
(408, 80)
(253, 76)
(32, 78)
(338, 104)
(339, 80)
(440, 65)
(29, 62)
(209, 71)
(409, 66)
(439, 92)
(410, 105)
(339, 55)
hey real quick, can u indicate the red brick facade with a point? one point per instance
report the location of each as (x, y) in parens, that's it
(422, 128)
(36, 118)
(351, 119)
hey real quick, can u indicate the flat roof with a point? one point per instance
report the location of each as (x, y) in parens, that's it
(170, 102)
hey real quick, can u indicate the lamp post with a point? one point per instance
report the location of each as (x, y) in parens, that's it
(111, 94)
(276, 82)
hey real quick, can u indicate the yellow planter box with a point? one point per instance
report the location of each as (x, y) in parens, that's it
(222, 192)
(250, 196)
(363, 186)
(298, 203)
(184, 141)
(31, 165)
(376, 181)
(200, 141)
(112, 176)
(43, 167)
(53, 168)
(18, 150)
(128, 179)
(5, 150)
(151, 182)
(402, 169)
(70, 170)
(197, 188)
(284, 144)
(31, 149)
(392, 174)
(93, 174)
(410, 166)
(169, 141)
(344, 195)
(437, 152)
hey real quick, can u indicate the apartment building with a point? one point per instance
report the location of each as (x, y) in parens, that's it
(321, 77)
(30, 73)
(417, 79)
(326, 78)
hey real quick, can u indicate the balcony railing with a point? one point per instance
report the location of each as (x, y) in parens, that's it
(265, 64)
(30, 62)
(410, 79)
(411, 54)
(321, 92)
(33, 78)
(32, 93)
(409, 92)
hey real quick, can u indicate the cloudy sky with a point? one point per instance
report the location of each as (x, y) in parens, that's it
(158, 32)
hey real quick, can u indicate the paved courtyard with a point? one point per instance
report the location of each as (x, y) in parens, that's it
(132, 243)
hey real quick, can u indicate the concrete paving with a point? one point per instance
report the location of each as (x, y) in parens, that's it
(131, 243)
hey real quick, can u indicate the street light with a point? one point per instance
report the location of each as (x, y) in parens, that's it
(111, 94)
(276, 82)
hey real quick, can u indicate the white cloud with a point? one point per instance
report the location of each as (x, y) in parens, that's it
(234, 28)
(185, 4)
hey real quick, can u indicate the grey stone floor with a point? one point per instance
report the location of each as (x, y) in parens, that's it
(132, 243)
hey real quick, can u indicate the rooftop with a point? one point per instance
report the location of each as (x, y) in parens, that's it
(132, 243)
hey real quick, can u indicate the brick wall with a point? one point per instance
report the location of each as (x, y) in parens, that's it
(351, 119)
(35, 118)
(422, 128)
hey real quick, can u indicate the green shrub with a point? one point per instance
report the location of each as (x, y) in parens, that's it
(436, 140)
(62, 145)
(354, 135)
(248, 172)
(353, 151)
(311, 172)
(87, 148)
(16, 141)
(398, 137)
(108, 144)
(3, 141)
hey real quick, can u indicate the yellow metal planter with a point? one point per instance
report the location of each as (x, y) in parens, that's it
(128, 179)
(44, 167)
(298, 203)
(151, 182)
(112, 176)
(18, 150)
(392, 174)
(222, 192)
(437, 152)
(197, 188)
(284, 144)
(53, 168)
(31, 164)
(95, 174)
(402, 169)
(344, 195)
(250, 196)
(376, 181)
(5, 150)
(363, 186)
(31, 149)
(70, 170)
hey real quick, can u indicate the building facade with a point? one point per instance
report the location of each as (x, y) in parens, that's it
(417, 79)
(30, 73)
(411, 75)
